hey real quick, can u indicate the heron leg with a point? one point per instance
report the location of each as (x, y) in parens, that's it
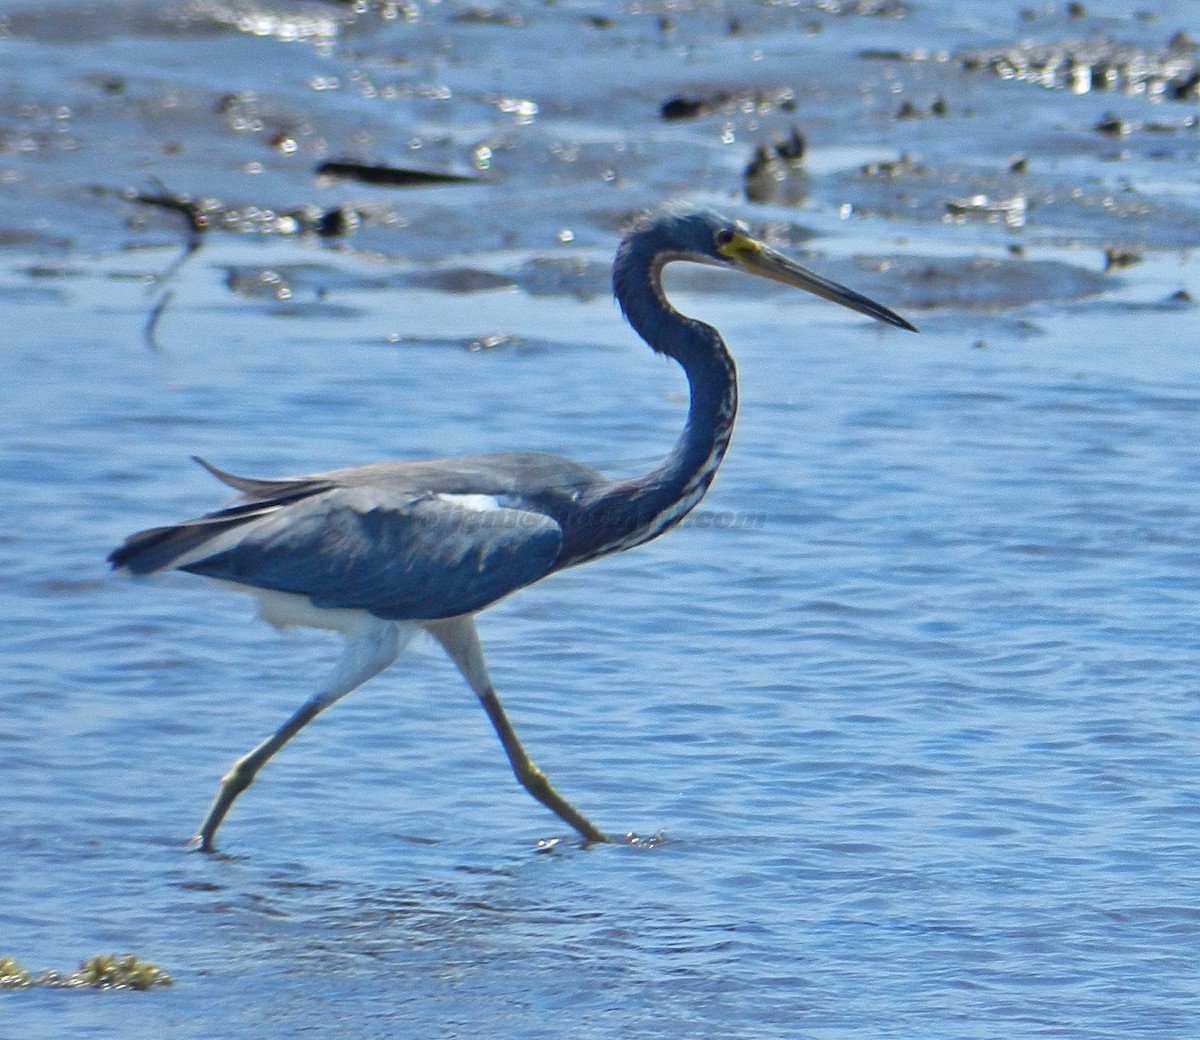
(367, 653)
(460, 640)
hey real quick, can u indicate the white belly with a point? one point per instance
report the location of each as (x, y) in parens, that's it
(289, 609)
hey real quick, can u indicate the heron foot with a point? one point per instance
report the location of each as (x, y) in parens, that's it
(532, 778)
(240, 776)
(536, 783)
(242, 773)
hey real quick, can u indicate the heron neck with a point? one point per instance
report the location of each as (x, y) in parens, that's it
(683, 477)
(629, 512)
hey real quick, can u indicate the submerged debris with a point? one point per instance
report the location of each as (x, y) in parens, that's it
(864, 8)
(1020, 196)
(1082, 66)
(489, 16)
(193, 211)
(258, 283)
(104, 971)
(909, 110)
(890, 168)
(988, 284)
(745, 101)
(207, 213)
(679, 107)
(1011, 209)
(391, 176)
(1085, 66)
(1115, 259)
(204, 214)
(776, 170)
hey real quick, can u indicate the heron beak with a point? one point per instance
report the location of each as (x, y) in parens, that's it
(756, 258)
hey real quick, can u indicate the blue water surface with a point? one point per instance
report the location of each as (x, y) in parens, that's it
(906, 716)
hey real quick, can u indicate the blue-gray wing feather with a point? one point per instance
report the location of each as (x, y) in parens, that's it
(404, 540)
(415, 558)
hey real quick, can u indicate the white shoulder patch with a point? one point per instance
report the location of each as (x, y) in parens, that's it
(475, 503)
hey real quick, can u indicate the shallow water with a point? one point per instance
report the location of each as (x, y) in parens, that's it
(909, 707)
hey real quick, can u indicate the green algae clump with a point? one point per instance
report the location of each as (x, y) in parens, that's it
(104, 971)
(12, 975)
(108, 971)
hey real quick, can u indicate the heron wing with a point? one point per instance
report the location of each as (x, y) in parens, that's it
(158, 548)
(398, 556)
(258, 487)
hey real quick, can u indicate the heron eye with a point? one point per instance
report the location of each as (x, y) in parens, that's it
(724, 237)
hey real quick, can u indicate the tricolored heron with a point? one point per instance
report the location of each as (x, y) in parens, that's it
(380, 552)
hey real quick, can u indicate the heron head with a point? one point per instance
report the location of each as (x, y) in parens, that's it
(709, 238)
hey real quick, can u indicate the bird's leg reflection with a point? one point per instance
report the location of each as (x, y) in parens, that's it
(459, 638)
